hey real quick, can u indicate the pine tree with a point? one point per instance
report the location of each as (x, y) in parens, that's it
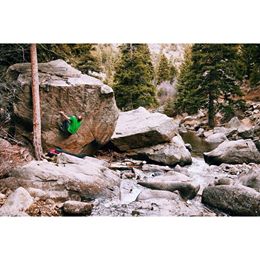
(166, 70)
(172, 72)
(186, 100)
(163, 73)
(250, 54)
(211, 74)
(133, 78)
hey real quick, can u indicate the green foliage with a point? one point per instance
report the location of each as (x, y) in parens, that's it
(250, 57)
(79, 56)
(133, 78)
(210, 72)
(186, 100)
(12, 53)
(166, 70)
(172, 73)
(230, 108)
(169, 108)
(163, 73)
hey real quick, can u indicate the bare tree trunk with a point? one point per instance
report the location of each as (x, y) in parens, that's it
(37, 143)
(211, 111)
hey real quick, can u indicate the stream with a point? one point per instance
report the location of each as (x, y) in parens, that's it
(128, 203)
(199, 169)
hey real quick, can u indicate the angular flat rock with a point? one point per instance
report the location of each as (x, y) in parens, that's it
(141, 128)
(171, 153)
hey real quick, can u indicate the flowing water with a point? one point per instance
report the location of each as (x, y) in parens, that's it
(199, 145)
(199, 170)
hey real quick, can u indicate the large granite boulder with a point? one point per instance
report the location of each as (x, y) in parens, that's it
(171, 153)
(139, 128)
(236, 200)
(75, 179)
(64, 88)
(234, 152)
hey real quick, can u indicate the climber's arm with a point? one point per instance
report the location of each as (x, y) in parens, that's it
(64, 115)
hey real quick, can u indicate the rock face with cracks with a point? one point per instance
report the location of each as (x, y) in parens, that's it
(64, 88)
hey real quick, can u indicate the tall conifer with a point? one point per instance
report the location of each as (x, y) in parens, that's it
(133, 80)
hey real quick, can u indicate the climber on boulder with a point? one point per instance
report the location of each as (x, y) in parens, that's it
(70, 124)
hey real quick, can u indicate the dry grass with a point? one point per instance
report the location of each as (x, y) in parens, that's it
(12, 156)
(253, 95)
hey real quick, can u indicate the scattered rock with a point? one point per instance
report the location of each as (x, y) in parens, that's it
(128, 175)
(189, 147)
(208, 133)
(172, 176)
(200, 132)
(251, 180)
(129, 191)
(155, 168)
(156, 194)
(180, 169)
(182, 129)
(247, 133)
(120, 166)
(224, 181)
(17, 203)
(68, 159)
(47, 208)
(216, 138)
(230, 169)
(234, 123)
(77, 208)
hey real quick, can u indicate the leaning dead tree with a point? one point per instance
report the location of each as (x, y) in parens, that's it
(37, 143)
